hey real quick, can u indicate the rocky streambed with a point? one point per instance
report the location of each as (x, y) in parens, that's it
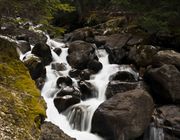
(104, 86)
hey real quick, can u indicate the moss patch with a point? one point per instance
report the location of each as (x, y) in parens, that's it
(21, 107)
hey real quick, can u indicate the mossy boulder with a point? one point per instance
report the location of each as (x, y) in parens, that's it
(22, 109)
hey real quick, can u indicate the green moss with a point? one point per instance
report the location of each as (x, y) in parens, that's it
(19, 95)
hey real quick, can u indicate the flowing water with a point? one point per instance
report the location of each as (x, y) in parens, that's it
(76, 120)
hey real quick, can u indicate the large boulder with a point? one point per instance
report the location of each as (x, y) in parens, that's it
(43, 51)
(50, 131)
(117, 87)
(80, 53)
(167, 57)
(164, 82)
(124, 116)
(142, 55)
(35, 66)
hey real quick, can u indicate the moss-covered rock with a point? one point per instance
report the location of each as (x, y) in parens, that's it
(21, 108)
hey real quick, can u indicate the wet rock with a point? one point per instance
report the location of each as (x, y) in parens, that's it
(124, 76)
(142, 55)
(164, 82)
(85, 34)
(40, 82)
(167, 57)
(63, 81)
(87, 89)
(50, 131)
(74, 73)
(35, 66)
(24, 46)
(69, 90)
(43, 51)
(170, 114)
(58, 66)
(66, 97)
(124, 116)
(95, 65)
(57, 51)
(85, 74)
(116, 87)
(114, 46)
(80, 53)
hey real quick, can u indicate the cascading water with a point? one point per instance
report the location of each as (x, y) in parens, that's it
(76, 120)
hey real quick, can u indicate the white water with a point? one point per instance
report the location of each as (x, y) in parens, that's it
(77, 126)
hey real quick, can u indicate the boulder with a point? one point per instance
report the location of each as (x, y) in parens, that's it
(124, 116)
(142, 55)
(116, 87)
(74, 73)
(35, 66)
(59, 66)
(164, 82)
(80, 53)
(166, 57)
(64, 81)
(95, 65)
(124, 76)
(50, 131)
(115, 47)
(66, 97)
(57, 51)
(85, 74)
(24, 46)
(43, 51)
(87, 89)
(40, 82)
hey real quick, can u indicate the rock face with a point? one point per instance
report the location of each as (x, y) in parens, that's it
(125, 115)
(21, 107)
(51, 132)
(164, 81)
(80, 53)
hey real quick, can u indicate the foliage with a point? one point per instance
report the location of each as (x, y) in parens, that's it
(153, 14)
(32, 9)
